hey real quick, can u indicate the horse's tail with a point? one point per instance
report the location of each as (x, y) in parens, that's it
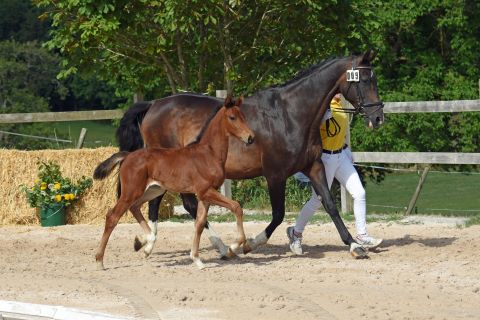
(128, 133)
(105, 168)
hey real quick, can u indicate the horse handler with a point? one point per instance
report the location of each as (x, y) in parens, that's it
(338, 162)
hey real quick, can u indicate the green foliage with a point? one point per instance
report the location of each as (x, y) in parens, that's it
(166, 46)
(27, 81)
(18, 21)
(427, 51)
(51, 187)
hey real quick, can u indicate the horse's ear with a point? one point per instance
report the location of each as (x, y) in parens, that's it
(368, 56)
(239, 101)
(228, 101)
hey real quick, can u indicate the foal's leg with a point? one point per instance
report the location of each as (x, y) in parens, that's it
(199, 226)
(111, 221)
(149, 235)
(214, 197)
(190, 204)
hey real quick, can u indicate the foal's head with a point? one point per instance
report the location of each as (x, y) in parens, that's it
(236, 124)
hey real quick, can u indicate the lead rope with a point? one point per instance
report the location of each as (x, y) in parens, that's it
(336, 127)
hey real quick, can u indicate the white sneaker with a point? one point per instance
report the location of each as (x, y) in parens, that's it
(368, 242)
(295, 242)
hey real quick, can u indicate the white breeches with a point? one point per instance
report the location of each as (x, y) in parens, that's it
(339, 166)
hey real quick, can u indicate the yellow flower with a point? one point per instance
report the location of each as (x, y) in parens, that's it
(43, 186)
(57, 185)
(58, 198)
(72, 196)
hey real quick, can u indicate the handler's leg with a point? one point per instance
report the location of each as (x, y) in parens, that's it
(348, 177)
(319, 183)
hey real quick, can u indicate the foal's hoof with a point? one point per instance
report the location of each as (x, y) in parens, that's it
(357, 251)
(247, 247)
(197, 261)
(100, 266)
(137, 245)
(230, 254)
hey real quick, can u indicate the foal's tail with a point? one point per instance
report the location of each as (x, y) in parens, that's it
(105, 168)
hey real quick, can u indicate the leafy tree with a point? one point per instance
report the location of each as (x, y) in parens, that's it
(167, 46)
(27, 80)
(19, 21)
(427, 51)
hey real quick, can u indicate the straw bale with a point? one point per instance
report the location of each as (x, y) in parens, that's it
(19, 168)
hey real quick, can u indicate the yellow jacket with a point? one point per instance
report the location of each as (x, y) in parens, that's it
(334, 130)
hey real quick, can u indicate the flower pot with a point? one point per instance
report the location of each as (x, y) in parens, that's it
(52, 215)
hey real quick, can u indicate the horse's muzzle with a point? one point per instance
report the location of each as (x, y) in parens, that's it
(250, 140)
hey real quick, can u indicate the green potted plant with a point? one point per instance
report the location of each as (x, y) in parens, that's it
(52, 193)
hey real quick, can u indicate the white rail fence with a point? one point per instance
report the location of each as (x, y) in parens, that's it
(418, 157)
(360, 157)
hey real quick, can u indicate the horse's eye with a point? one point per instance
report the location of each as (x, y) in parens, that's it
(231, 117)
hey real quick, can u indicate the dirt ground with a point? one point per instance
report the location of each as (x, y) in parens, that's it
(420, 272)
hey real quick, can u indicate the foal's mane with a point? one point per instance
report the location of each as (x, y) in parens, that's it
(205, 126)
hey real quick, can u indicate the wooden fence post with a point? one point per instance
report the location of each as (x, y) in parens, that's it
(346, 198)
(414, 199)
(81, 138)
(226, 188)
(138, 97)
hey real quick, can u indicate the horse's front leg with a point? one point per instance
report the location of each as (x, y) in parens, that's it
(215, 197)
(319, 183)
(190, 204)
(276, 190)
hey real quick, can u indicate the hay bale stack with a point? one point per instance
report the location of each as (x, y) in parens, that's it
(20, 168)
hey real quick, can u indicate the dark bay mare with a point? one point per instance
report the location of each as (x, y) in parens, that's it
(285, 119)
(198, 168)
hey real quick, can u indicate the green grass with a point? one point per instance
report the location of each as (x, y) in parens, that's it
(99, 133)
(458, 193)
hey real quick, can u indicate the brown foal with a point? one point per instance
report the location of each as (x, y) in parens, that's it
(197, 169)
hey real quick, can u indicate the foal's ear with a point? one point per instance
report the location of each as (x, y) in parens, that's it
(239, 101)
(368, 56)
(229, 102)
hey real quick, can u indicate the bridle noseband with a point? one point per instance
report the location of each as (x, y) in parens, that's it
(362, 106)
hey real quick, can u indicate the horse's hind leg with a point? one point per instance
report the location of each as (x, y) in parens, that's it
(190, 204)
(111, 221)
(214, 197)
(200, 222)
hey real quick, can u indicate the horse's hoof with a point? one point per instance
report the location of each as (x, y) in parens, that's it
(100, 266)
(358, 252)
(137, 245)
(148, 250)
(229, 255)
(198, 262)
(247, 247)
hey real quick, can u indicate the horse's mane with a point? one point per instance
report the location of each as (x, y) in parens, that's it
(307, 71)
(205, 126)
